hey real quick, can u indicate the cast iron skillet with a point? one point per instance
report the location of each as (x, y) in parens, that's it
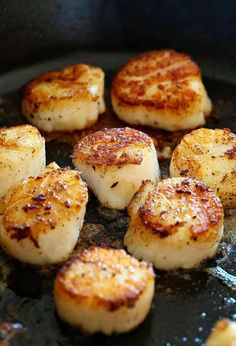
(186, 304)
(107, 33)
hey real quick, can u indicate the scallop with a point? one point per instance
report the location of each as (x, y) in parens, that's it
(104, 290)
(162, 89)
(210, 156)
(114, 162)
(22, 154)
(65, 100)
(176, 223)
(42, 217)
(223, 334)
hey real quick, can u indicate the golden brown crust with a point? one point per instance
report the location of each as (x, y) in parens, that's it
(208, 155)
(168, 70)
(181, 200)
(198, 142)
(12, 137)
(102, 277)
(112, 147)
(40, 204)
(61, 85)
(204, 137)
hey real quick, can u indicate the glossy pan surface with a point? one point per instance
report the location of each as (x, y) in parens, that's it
(187, 303)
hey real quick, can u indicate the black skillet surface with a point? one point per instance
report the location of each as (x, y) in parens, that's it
(186, 304)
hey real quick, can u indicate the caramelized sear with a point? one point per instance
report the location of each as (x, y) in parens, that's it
(104, 290)
(162, 89)
(174, 224)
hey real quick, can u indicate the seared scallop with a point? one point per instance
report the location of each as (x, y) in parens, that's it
(210, 156)
(42, 217)
(104, 290)
(65, 100)
(223, 334)
(176, 223)
(22, 154)
(114, 162)
(162, 89)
